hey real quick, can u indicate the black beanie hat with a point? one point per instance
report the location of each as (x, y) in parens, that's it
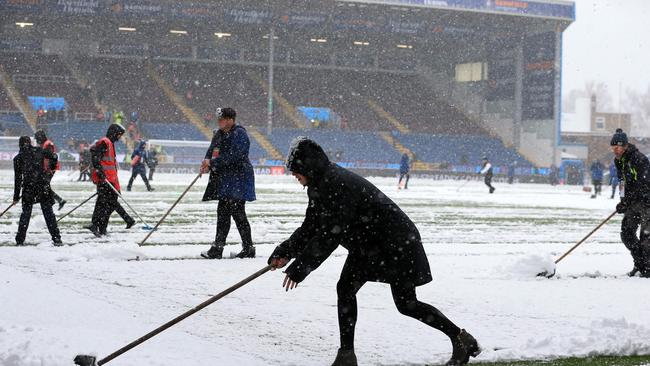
(619, 138)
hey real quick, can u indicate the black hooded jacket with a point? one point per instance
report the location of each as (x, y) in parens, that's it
(30, 178)
(633, 168)
(345, 209)
(97, 151)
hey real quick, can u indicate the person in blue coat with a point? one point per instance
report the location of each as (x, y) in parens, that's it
(613, 178)
(139, 160)
(597, 173)
(404, 168)
(232, 182)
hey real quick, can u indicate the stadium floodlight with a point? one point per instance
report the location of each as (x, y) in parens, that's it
(24, 24)
(405, 46)
(173, 31)
(361, 43)
(266, 36)
(318, 40)
(126, 29)
(221, 35)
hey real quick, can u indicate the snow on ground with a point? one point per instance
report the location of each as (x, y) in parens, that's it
(484, 250)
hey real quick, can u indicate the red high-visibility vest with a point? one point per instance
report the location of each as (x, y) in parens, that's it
(46, 162)
(109, 164)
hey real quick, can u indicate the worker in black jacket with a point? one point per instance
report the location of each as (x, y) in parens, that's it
(383, 246)
(32, 183)
(633, 170)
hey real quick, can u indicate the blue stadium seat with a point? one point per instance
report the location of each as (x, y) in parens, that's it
(354, 146)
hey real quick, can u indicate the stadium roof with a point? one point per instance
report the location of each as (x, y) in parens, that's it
(544, 9)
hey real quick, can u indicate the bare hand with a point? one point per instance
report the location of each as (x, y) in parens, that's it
(278, 263)
(205, 166)
(289, 284)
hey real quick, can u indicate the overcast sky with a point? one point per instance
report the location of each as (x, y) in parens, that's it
(609, 41)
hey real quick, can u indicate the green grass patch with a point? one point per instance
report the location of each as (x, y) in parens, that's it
(590, 361)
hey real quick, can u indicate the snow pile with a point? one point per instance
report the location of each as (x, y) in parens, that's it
(531, 265)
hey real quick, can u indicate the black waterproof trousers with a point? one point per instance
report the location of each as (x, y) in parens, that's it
(488, 181)
(104, 206)
(405, 300)
(637, 216)
(236, 209)
(26, 215)
(406, 183)
(142, 173)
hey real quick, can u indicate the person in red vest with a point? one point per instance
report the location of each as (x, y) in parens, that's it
(47, 144)
(104, 172)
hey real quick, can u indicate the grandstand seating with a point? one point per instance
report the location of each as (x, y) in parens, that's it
(337, 90)
(460, 150)
(5, 103)
(207, 86)
(124, 84)
(354, 146)
(46, 76)
(415, 104)
(14, 125)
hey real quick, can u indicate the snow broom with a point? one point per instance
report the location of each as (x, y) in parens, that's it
(549, 275)
(74, 209)
(170, 210)
(87, 360)
(8, 208)
(145, 225)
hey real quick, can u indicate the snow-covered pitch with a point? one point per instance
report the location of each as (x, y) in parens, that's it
(484, 251)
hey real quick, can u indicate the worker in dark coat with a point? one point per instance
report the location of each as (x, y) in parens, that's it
(139, 161)
(633, 169)
(32, 184)
(383, 246)
(232, 182)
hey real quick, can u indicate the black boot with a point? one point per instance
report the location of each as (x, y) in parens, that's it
(93, 229)
(464, 347)
(130, 223)
(345, 357)
(62, 203)
(633, 272)
(57, 242)
(215, 252)
(247, 252)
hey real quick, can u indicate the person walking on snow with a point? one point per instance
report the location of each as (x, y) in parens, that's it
(232, 182)
(139, 161)
(633, 169)
(488, 171)
(597, 174)
(404, 168)
(613, 178)
(105, 172)
(383, 245)
(32, 184)
(47, 144)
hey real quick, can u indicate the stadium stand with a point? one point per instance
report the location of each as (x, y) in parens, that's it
(351, 146)
(125, 85)
(47, 76)
(460, 150)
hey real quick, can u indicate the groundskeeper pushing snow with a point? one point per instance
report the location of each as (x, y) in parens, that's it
(383, 246)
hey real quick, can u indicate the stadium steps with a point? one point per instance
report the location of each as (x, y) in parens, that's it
(188, 112)
(265, 143)
(82, 80)
(388, 117)
(287, 108)
(415, 164)
(16, 98)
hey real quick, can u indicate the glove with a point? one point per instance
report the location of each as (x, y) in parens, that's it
(101, 175)
(621, 207)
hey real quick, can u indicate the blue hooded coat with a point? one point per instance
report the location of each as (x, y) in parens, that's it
(231, 172)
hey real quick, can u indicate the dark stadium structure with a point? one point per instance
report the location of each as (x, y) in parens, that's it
(445, 81)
